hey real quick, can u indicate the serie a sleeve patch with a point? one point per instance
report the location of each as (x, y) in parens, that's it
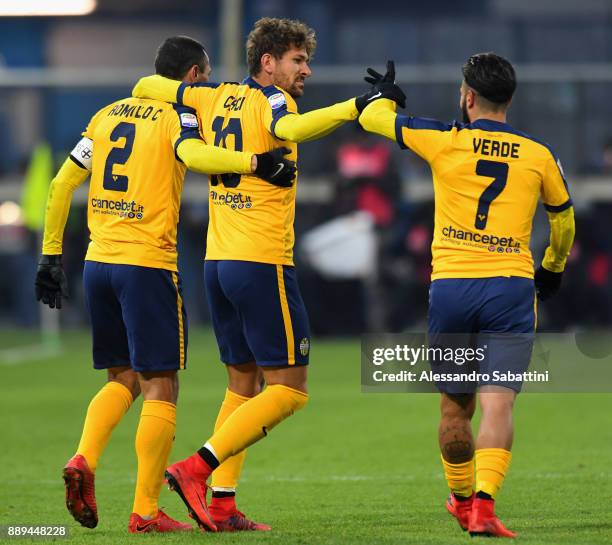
(189, 121)
(277, 101)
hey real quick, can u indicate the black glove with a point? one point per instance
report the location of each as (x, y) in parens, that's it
(382, 87)
(51, 283)
(547, 283)
(274, 168)
(376, 77)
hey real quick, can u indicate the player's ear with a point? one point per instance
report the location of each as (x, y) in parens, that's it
(191, 75)
(470, 98)
(268, 63)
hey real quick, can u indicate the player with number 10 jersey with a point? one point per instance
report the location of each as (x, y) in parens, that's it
(258, 315)
(249, 221)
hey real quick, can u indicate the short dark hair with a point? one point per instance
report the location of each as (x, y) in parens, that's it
(277, 36)
(491, 76)
(177, 55)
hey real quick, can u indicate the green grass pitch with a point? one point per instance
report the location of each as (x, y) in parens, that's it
(351, 468)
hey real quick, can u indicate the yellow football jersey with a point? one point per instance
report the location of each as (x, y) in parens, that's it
(136, 181)
(250, 219)
(488, 178)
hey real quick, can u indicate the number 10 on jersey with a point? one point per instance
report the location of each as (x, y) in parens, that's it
(233, 128)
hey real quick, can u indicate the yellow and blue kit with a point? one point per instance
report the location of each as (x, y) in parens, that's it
(137, 152)
(487, 178)
(251, 222)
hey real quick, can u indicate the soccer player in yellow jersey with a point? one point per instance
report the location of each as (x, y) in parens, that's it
(487, 180)
(137, 152)
(257, 311)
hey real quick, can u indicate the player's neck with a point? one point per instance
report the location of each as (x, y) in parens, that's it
(491, 116)
(263, 79)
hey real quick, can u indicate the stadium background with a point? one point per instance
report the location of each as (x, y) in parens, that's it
(55, 72)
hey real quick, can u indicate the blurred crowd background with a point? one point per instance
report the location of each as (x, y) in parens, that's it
(365, 210)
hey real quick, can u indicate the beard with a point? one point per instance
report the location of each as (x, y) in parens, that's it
(464, 114)
(296, 91)
(291, 87)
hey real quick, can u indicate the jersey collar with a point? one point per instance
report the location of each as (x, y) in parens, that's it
(251, 83)
(491, 125)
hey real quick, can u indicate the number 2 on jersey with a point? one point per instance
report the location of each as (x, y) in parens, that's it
(499, 172)
(233, 128)
(119, 156)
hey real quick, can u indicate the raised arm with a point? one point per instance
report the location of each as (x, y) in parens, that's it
(426, 137)
(194, 95)
(297, 127)
(318, 123)
(379, 117)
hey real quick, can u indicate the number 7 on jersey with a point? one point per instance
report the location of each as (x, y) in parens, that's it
(499, 172)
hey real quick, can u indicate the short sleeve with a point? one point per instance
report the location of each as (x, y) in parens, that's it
(426, 137)
(184, 124)
(555, 192)
(278, 103)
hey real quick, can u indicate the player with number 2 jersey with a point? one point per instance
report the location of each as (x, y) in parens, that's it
(137, 152)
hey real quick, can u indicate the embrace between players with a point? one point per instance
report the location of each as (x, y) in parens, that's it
(245, 137)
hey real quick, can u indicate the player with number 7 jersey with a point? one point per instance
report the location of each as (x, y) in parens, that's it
(488, 178)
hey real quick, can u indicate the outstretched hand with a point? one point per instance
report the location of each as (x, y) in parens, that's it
(383, 86)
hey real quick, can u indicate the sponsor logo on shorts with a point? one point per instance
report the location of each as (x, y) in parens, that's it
(305, 346)
(121, 208)
(236, 201)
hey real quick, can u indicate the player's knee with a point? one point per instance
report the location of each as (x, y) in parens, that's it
(460, 407)
(294, 378)
(498, 402)
(160, 386)
(127, 378)
(245, 380)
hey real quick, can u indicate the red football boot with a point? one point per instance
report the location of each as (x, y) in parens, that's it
(162, 523)
(227, 518)
(80, 491)
(484, 522)
(460, 509)
(188, 479)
